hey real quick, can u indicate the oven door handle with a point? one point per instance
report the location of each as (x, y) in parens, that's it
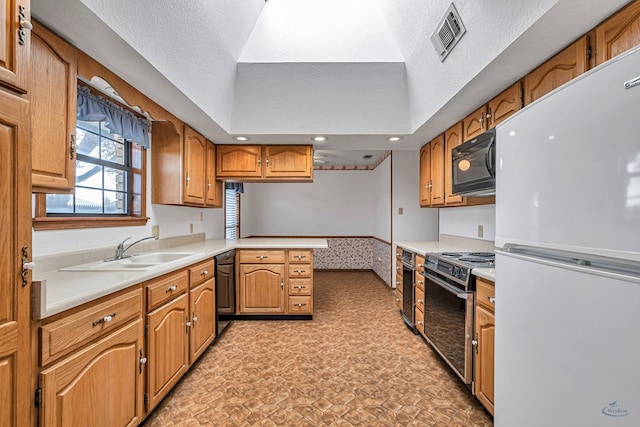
(445, 286)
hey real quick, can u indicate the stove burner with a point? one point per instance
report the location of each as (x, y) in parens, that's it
(451, 254)
(477, 260)
(482, 254)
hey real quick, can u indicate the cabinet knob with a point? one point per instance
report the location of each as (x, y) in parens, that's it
(397, 283)
(420, 282)
(300, 305)
(419, 301)
(194, 319)
(474, 343)
(25, 24)
(188, 324)
(171, 288)
(106, 319)
(205, 272)
(492, 300)
(29, 265)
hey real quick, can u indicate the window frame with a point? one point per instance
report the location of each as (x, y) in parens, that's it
(136, 217)
(237, 225)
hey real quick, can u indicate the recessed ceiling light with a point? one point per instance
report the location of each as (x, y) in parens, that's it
(394, 138)
(320, 138)
(241, 138)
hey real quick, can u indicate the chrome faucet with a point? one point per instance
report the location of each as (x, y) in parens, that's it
(120, 249)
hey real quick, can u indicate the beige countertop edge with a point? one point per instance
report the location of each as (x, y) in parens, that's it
(57, 291)
(485, 273)
(424, 248)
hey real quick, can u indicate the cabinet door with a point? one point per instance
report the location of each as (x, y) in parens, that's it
(195, 158)
(288, 161)
(14, 44)
(262, 288)
(453, 138)
(15, 223)
(619, 33)
(225, 289)
(214, 187)
(504, 105)
(239, 161)
(53, 112)
(168, 347)
(437, 171)
(203, 309)
(484, 366)
(100, 385)
(425, 175)
(563, 67)
(474, 124)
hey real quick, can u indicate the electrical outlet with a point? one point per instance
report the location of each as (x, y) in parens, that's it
(191, 228)
(201, 216)
(155, 231)
(400, 211)
(480, 231)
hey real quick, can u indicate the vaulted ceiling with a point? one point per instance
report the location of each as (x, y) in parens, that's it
(284, 70)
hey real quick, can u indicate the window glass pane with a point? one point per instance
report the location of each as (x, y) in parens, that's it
(88, 201)
(112, 151)
(115, 179)
(87, 143)
(93, 127)
(59, 203)
(108, 133)
(88, 175)
(115, 202)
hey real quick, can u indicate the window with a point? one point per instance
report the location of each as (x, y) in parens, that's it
(105, 171)
(231, 214)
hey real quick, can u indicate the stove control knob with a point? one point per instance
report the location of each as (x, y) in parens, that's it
(456, 271)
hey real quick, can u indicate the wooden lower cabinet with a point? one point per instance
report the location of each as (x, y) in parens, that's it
(262, 288)
(100, 385)
(203, 326)
(485, 330)
(168, 347)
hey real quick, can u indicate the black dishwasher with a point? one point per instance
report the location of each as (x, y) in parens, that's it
(225, 289)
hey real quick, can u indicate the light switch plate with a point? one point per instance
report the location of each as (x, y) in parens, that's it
(155, 231)
(480, 231)
(400, 211)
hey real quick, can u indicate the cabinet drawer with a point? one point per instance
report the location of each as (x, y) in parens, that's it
(297, 257)
(486, 294)
(420, 299)
(299, 286)
(262, 257)
(165, 288)
(300, 305)
(420, 320)
(302, 270)
(419, 263)
(418, 279)
(60, 337)
(201, 272)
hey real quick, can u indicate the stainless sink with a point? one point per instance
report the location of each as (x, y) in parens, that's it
(141, 262)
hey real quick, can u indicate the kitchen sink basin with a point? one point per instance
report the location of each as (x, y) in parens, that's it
(139, 262)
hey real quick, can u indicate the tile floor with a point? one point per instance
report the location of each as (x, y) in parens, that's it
(354, 364)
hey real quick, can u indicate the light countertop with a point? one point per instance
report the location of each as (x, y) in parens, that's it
(57, 291)
(485, 273)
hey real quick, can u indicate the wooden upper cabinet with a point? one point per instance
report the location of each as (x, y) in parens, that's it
(288, 161)
(239, 161)
(269, 162)
(452, 138)
(14, 44)
(504, 105)
(560, 69)
(425, 175)
(214, 187)
(53, 112)
(437, 171)
(474, 124)
(195, 159)
(619, 33)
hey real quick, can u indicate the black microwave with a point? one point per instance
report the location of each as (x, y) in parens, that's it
(473, 166)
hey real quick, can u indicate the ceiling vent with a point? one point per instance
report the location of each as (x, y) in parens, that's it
(449, 31)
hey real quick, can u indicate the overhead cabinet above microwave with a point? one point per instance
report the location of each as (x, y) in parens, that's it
(264, 163)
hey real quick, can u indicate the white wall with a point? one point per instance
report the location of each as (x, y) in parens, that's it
(173, 220)
(415, 223)
(336, 203)
(382, 200)
(464, 221)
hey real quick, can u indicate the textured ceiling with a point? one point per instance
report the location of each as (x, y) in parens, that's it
(282, 71)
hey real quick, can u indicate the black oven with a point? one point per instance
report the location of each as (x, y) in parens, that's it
(448, 321)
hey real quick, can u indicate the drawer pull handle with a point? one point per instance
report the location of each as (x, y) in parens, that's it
(171, 288)
(300, 305)
(299, 271)
(299, 287)
(262, 257)
(492, 300)
(205, 272)
(300, 256)
(106, 319)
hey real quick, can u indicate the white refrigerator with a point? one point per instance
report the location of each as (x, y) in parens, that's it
(567, 340)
